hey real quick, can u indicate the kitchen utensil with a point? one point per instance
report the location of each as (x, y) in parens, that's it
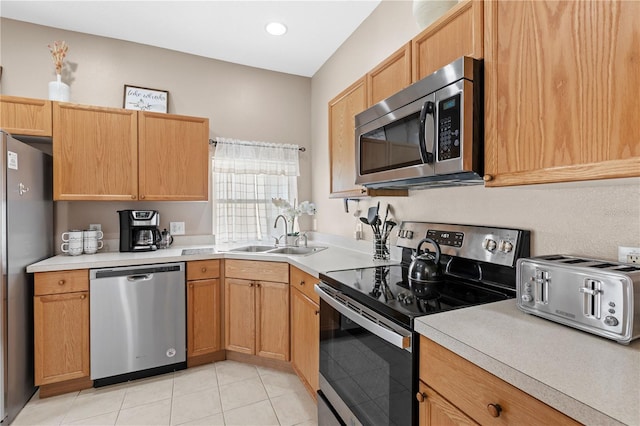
(72, 242)
(92, 241)
(371, 214)
(165, 239)
(424, 270)
(596, 296)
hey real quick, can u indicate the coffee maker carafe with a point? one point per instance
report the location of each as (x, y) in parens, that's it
(139, 230)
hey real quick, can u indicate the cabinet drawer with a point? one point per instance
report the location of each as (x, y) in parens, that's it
(61, 282)
(472, 390)
(203, 269)
(256, 270)
(304, 283)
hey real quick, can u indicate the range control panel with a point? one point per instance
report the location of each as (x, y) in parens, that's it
(501, 246)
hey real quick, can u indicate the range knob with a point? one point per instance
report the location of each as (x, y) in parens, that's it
(610, 321)
(489, 244)
(527, 298)
(506, 246)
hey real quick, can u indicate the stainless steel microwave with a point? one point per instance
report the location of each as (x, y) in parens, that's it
(429, 134)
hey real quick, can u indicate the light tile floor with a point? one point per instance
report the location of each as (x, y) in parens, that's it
(223, 393)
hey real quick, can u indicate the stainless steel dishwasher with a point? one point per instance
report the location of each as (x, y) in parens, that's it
(137, 321)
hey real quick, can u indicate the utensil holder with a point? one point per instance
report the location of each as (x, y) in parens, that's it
(381, 249)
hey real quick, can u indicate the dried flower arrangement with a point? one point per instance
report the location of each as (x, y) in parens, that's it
(58, 53)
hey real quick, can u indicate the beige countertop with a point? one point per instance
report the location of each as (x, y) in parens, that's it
(331, 259)
(592, 379)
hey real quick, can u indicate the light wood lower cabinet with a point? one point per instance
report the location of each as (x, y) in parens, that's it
(305, 328)
(257, 310)
(61, 326)
(456, 391)
(204, 314)
(25, 116)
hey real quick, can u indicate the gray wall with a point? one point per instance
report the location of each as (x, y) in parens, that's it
(588, 218)
(240, 101)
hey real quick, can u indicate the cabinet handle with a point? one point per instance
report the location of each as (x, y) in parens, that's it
(251, 284)
(190, 285)
(487, 178)
(142, 197)
(363, 191)
(301, 282)
(421, 396)
(82, 296)
(203, 270)
(61, 282)
(317, 312)
(494, 410)
(133, 197)
(257, 284)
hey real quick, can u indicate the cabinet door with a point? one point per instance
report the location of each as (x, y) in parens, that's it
(390, 76)
(272, 318)
(434, 410)
(61, 324)
(25, 116)
(342, 111)
(95, 153)
(305, 338)
(203, 317)
(561, 83)
(458, 33)
(174, 157)
(240, 315)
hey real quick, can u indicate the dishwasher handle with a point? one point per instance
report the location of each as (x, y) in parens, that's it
(140, 277)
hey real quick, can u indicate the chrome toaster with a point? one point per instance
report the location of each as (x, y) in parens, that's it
(596, 296)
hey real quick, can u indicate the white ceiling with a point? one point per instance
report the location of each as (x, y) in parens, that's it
(231, 30)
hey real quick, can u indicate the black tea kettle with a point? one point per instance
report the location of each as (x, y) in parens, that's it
(424, 271)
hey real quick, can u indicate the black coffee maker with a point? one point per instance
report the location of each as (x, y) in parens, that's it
(139, 230)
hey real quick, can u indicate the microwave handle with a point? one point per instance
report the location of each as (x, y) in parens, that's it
(426, 146)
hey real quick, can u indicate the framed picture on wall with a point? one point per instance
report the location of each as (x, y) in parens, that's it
(145, 99)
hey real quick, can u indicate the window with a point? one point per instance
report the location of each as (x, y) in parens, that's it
(246, 177)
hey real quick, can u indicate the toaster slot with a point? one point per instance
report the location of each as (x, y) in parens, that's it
(592, 302)
(542, 286)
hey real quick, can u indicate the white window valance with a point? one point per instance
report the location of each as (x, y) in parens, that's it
(251, 157)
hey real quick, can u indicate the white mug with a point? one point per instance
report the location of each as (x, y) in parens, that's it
(92, 241)
(72, 242)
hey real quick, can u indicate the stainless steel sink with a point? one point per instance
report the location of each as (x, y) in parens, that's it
(253, 249)
(297, 251)
(292, 251)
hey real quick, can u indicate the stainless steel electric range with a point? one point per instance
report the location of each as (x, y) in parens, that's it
(368, 346)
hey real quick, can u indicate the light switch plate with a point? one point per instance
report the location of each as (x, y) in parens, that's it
(176, 228)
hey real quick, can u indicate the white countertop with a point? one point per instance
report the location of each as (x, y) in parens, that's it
(592, 379)
(331, 259)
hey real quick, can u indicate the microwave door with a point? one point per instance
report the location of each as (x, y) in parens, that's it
(390, 148)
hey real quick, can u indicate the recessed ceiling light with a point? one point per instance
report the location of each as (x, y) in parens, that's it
(276, 28)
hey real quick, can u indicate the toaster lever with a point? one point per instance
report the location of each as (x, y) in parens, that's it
(592, 298)
(591, 291)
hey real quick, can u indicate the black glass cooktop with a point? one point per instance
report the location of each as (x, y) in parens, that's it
(383, 289)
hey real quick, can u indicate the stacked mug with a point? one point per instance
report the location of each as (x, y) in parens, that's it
(76, 242)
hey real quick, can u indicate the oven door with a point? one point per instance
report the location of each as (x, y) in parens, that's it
(366, 364)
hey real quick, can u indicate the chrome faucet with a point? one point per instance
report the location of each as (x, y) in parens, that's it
(275, 225)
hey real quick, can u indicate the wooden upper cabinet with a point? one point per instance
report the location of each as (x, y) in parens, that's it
(25, 116)
(342, 111)
(390, 76)
(95, 153)
(459, 32)
(561, 91)
(173, 157)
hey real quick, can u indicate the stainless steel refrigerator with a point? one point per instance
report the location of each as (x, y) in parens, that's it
(26, 218)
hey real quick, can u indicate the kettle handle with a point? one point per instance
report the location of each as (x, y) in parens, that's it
(435, 245)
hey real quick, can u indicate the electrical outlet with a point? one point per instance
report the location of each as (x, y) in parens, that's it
(629, 254)
(176, 228)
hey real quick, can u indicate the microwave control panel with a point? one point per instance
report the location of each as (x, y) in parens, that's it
(449, 128)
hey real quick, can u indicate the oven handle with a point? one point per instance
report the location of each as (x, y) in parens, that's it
(396, 339)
